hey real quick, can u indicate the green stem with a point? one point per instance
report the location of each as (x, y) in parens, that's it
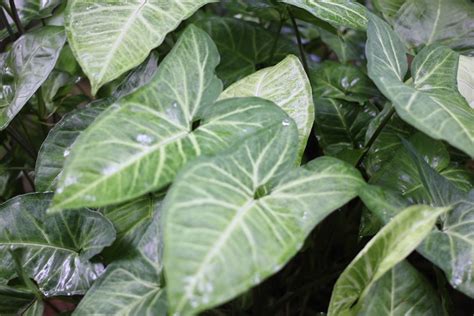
(374, 137)
(300, 43)
(16, 17)
(277, 38)
(19, 140)
(4, 20)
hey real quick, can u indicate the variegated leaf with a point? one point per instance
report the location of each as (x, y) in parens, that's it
(108, 47)
(247, 213)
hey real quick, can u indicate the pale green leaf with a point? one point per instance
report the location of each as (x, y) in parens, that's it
(388, 248)
(432, 103)
(233, 220)
(446, 22)
(109, 164)
(132, 285)
(25, 67)
(466, 79)
(345, 13)
(54, 250)
(402, 291)
(110, 38)
(293, 94)
(243, 45)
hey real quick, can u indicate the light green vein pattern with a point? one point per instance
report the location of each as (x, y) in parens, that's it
(139, 143)
(109, 38)
(234, 220)
(389, 247)
(285, 84)
(344, 13)
(432, 103)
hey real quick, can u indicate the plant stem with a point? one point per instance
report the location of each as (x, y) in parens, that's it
(277, 38)
(16, 17)
(19, 140)
(375, 136)
(4, 20)
(300, 44)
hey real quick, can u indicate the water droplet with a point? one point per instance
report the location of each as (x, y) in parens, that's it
(59, 190)
(286, 122)
(109, 170)
(277, 268)
(345, 83)
(66, 153)
(90, 197)
(70, 181)
(175, 104)
(144, 139)
(256, 279)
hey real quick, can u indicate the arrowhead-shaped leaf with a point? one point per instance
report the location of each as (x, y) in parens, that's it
(132, 285)
(161, 135)
(345, 13)
(54, 249)
(109, 38)
(432, 103)
(293, 94)
(388, 248)
(233, 220)
(25, 67)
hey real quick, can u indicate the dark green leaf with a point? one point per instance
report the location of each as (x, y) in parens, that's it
(54, 250)
(25, 67)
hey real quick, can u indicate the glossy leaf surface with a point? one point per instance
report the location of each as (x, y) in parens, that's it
(131, 285)
(54, 250)
(293, 94)
(108, 47)
(25, 67)
(254, 198)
